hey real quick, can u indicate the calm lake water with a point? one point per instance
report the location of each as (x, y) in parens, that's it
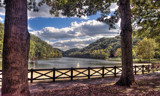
(67, 62)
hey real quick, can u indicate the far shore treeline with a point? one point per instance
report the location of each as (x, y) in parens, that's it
(38, 48)
(104, 48)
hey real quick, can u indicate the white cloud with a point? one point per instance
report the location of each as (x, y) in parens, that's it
(73, 43)
(43, 12)
(77, 35)
(76, 30)
(29, 28)
(1, 19)
(113, 6)
(2, 11)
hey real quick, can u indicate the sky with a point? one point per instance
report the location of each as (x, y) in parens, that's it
(64, 32)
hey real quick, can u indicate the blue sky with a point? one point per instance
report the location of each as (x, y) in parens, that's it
(58, 22)
(66, 33)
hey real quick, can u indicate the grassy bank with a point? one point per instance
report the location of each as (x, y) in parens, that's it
(138, 60)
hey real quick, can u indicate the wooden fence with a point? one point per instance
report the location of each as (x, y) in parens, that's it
(57, 74)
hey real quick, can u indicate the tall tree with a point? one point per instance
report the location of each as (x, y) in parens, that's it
(146, 49)
(15, 49)
(127, 76)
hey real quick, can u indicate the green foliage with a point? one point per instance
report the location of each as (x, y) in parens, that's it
(1, 38)
(38, 48)
(110, 47)
(133, 53)
(118, 53)
(76, 7)
(146, 49)
(96, 54)
(101, 49)
(146, 15)
(69, 51)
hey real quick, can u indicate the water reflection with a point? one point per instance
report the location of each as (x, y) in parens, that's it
(77, 66)
(67, 62)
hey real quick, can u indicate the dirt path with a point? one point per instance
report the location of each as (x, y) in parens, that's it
(147, 85)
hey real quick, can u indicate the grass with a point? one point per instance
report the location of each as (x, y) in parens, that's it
(138, 60)
(114, 59)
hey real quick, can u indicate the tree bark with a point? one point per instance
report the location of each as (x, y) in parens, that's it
(127, 76)
(15, 50)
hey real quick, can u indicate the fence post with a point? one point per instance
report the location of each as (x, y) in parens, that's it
(135, 70)
(115, 74)
(31, 75)
(152, 68)
(88, 72)
(54, 73)
(103, 72)
(71, 73)
(142, 69)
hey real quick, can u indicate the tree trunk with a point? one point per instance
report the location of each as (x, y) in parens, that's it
(15, 49)
(127, 76)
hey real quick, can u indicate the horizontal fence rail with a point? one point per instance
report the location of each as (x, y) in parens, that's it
(57, 74)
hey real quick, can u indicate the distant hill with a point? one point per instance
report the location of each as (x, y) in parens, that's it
(100, 49)
(41, 49)
(60, 50)
(38, 48)
(65, 53)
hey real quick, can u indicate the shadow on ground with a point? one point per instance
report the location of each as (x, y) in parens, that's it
(147, 85)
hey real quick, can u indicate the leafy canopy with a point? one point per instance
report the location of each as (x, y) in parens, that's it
(146, 15)
(78, 8)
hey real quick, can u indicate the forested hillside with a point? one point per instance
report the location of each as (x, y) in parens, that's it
(66, 53)
(1, 38)
(101, 49)
(38, 48)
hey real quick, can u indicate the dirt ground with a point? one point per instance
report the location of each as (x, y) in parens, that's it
(147, 85)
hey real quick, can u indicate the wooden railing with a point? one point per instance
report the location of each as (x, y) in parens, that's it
(57, 74)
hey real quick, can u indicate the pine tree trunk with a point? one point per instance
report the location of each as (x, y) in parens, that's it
(127, 76)
(15, 50)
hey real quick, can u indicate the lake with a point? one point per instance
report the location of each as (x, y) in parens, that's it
(68, 62)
